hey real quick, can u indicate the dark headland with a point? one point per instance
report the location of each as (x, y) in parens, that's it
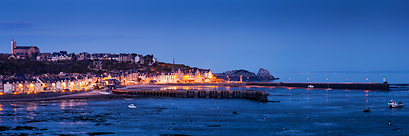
(263, 75)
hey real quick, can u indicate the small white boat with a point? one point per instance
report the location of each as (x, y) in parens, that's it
(131, 106)
(329, 89)
(128, 99)
(394, 104)
(310, 86)
(105, 93)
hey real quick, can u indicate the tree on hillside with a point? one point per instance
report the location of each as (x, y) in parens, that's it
(73, 57)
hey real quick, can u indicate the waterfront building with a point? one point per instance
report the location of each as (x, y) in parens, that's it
(193, 76)
(166, 78)
(132, 78)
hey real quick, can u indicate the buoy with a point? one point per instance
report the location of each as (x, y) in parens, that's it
(308, 117)
(389, 123)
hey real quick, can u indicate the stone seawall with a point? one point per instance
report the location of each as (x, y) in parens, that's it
(246, 94)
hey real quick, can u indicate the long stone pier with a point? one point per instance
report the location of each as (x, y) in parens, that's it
(359, 86)
(246, 94)
(350, 86)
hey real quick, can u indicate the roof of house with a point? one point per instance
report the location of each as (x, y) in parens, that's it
(25, 47)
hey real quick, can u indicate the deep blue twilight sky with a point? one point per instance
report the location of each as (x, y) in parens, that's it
(281, 36)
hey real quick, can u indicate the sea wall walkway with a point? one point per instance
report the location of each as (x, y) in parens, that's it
(358, 86)
(246, 94)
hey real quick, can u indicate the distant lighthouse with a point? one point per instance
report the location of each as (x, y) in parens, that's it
(384, 79)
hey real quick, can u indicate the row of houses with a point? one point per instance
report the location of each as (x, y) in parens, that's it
(32, 84)
(131, 77)
(63, 55)
(185, 76)
(75, 81)
(23, 52)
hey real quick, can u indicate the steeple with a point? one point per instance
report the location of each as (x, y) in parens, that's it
(13, 46)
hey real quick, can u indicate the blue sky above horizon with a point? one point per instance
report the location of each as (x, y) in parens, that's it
(280, 36)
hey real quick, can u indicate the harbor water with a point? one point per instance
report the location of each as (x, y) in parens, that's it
(294, 111)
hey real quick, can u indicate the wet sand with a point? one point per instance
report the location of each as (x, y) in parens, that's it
(79, 95)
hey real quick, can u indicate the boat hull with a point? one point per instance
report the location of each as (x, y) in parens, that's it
(119, 92)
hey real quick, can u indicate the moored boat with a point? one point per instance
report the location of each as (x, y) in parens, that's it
(310, 86)
(131, 106)
(393, 104)
(105, 93)
(119, 92)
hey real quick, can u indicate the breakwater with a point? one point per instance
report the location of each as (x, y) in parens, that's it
(246, 94)
(359, 86)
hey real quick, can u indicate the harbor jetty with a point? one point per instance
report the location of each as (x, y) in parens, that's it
(348, 86)
(357, 86)
(245, 94)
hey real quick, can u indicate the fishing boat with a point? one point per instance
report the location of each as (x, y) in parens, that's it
(394, 104)
(310, 86)
(121, 92)
(105, 92)
(329, 89)
(131, 106)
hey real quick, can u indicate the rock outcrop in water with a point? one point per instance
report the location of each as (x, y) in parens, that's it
(247, 76)
(263, 73)
(240, 72)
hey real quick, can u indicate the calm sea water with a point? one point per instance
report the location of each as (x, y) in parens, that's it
(358, 77)
(299, 112)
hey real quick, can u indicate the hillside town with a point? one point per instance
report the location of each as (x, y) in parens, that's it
(27, 83)
(33, 52)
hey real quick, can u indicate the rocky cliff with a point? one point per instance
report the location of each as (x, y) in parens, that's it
(263, 73)
(247, 76)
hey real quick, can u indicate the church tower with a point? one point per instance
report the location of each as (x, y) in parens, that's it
(13, 46)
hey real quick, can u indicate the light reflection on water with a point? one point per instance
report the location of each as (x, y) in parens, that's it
(63, 105)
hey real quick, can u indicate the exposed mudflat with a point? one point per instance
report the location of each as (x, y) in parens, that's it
(295, 112)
